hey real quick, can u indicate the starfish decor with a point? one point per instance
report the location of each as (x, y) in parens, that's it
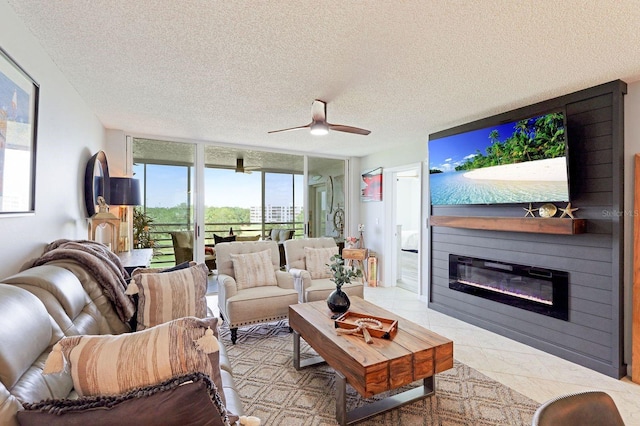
(568, 211)
(529, 211)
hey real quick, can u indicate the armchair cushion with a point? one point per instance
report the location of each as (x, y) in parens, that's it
(280, 235)
(114, 364)
(166, 296)
(317, 259)
(253, 269)
(191, 399)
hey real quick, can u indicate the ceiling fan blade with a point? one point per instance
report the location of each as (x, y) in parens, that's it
(319, 124)
(319, 111)
(348, 129)
(290, 128)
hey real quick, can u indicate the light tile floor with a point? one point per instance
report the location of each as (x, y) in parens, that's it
(533, 373)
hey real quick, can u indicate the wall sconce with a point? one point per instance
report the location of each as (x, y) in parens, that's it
(124, 192)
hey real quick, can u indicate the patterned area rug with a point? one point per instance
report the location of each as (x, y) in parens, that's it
(273, 390)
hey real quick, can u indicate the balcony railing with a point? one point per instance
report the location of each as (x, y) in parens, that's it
(163, 247)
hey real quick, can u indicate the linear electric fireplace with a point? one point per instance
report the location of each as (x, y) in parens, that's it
(540, 290)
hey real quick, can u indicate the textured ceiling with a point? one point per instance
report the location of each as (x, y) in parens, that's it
(229, 71)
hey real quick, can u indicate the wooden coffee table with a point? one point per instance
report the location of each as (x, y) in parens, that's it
(415, 353)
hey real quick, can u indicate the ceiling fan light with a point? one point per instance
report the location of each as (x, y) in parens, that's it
(319, 129)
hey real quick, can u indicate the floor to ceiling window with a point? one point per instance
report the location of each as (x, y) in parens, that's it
(166, 172)
(246, 192)
(230, 201)
(283, 205)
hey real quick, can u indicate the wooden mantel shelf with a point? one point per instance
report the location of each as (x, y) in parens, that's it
(538, 225)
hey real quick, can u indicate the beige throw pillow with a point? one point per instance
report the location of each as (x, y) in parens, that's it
(317, 259)
(253, 269)
(167, 296)
(113, 364)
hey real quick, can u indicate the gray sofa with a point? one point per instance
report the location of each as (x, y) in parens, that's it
(38, 307)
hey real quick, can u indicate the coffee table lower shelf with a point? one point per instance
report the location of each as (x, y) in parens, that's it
(364, 412)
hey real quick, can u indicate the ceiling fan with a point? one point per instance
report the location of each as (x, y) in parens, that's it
(240, 168)
(319, 124)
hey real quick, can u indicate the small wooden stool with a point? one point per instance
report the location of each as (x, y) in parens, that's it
(356, 257)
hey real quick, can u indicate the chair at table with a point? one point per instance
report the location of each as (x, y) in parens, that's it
(183, 249)
(306, 260)
(578, 409)
(251, 287)
(248, 238)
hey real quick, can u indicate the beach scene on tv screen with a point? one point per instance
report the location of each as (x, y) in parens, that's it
(519, 162)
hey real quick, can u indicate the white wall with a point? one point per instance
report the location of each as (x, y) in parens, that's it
(68, 135)
(372, 214)
(408, 214)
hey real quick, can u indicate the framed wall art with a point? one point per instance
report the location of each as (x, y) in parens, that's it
(371, 185)
(18, 128)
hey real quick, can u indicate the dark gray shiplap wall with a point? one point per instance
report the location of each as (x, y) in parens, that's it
(593, 335)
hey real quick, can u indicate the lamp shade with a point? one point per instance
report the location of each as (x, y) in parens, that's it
(124, 191)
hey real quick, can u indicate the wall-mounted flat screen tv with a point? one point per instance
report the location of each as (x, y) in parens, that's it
(523, 161)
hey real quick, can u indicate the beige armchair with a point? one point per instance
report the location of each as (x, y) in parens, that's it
(313, 289)
(251, 287)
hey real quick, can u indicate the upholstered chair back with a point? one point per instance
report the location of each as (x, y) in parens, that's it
(294, 250)
(224, 251)
(578, 409)
(182, 245)
(281, 235)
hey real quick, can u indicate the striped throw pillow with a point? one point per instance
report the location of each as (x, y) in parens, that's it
(167, 296)
(114, 364)
(253, 269)
(317, 259)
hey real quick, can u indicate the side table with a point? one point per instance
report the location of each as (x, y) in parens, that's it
(356, 257)
(136, 258)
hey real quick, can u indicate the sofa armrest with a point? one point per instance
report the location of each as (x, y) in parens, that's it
(285, 280)
(301, 279)
(226, 287)
(9, 406)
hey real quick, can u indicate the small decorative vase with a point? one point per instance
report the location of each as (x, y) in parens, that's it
(338, 301)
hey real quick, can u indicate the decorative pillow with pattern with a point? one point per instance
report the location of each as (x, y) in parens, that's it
(166, 296)
(186, 400)
(317, 259)
(115, 364)
(253, 269)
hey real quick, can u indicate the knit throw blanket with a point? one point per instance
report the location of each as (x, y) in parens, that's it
(101, 263)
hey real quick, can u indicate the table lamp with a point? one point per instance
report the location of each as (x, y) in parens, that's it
(124, 192)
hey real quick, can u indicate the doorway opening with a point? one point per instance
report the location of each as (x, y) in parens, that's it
(407, 228)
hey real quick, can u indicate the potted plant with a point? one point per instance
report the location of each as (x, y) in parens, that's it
(338, 301)
(142, 224)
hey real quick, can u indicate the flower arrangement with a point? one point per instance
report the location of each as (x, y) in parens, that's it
(352, 241)
(341, 274)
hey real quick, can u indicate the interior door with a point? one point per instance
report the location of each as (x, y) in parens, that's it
(408, 229)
